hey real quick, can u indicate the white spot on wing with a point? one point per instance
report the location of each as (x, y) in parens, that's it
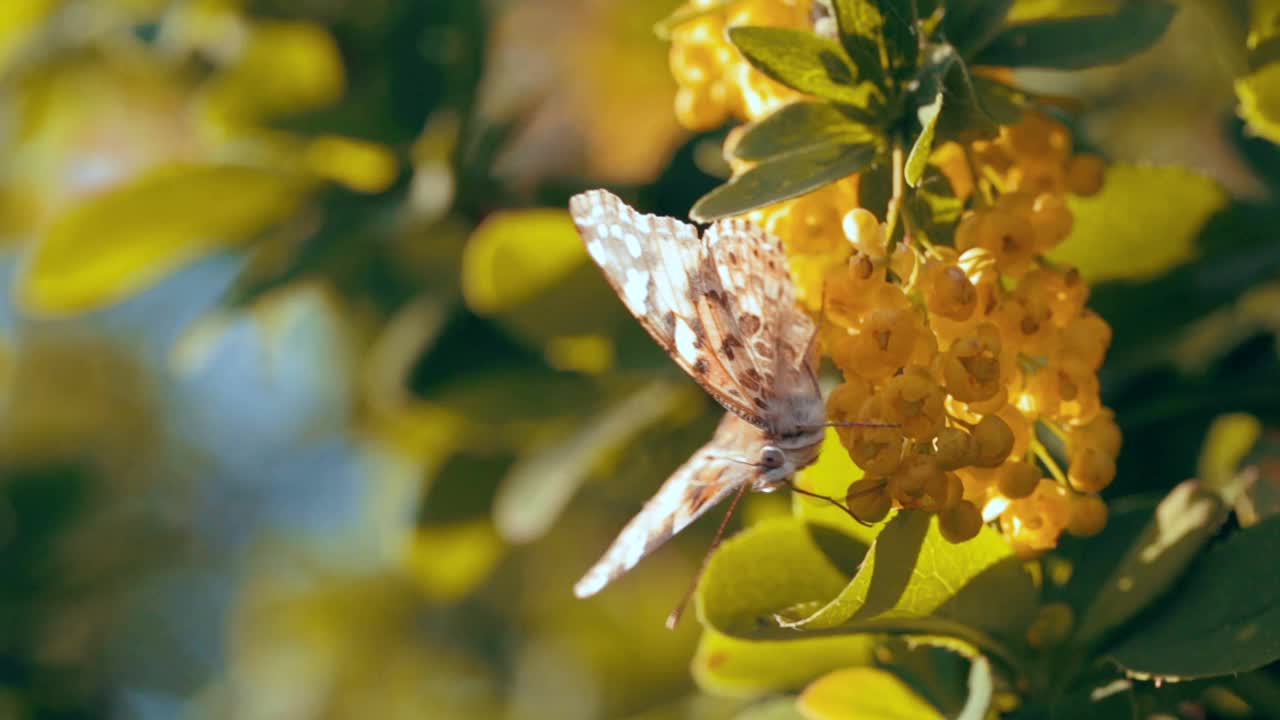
(633, 245)
(685, 340)
(596, 249)
(636, 289)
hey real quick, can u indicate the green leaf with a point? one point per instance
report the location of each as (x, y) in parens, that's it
(970, 24)
(981, 689)
(516, 254)
(911, 571)
(901, 40)
(861, 33)
(863, 693)
(799, 126)
(727, 665)
(1004, 104)
(769, 567)
(1080, 42)
(123, 239)
(784, 177)
(1143, 222)
(1224, 619)
(1259, 95)
(918, 158)
(1183, 522)
(689, 12)
(1235, 251)
(803, 61)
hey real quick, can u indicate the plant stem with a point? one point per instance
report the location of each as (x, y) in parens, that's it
(894, 210)
(1046, 458)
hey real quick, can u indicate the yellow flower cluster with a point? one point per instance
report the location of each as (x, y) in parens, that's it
(960, 352)
(715, 83)
(969, 365)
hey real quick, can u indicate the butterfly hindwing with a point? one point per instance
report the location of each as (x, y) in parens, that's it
(715, 471)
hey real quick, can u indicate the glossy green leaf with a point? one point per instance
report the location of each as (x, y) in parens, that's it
(767, 568)
(971, 24)
(911, 571)
(1080, 42)
(1183, 522)
(863, 693)
(802, 60)
(1144, 221)
(918, 158)
(784, 177)
(901, 40)
(861, 29)
(1224, 619)
(124, 239)
(799, 126)
(727, 665)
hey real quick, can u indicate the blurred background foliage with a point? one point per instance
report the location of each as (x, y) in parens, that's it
(312, 406)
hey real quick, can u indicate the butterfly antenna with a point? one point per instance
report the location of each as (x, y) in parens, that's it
(674, 618)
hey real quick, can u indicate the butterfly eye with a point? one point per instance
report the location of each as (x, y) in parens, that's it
(771, 457)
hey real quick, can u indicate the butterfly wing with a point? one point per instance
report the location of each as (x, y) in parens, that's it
(763, 318)
(716, 471)
(720, 305)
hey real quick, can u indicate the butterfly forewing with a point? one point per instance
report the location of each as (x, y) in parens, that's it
(723, 308)
(717, 304)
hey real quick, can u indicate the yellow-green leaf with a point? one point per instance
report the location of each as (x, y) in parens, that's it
(285, 67)
(121, 241)
(919, 155)
(727, 665)
(1259, 94)
(1229, 439)
(863, 693)
(912, 571)
(767, 568)
(831, 476)
(448, 561)
(1143, 222)
(516, 254)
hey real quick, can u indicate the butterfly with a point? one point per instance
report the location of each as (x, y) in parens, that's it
(723, 307)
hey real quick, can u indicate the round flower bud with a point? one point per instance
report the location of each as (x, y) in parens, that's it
(993, 441)
(960, 522)
(1091, 470)
(1017, 480)
(1088, 516)
(953, 448)
(868, 499)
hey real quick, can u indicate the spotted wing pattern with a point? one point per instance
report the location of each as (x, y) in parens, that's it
(723, 308)
(721, 305)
